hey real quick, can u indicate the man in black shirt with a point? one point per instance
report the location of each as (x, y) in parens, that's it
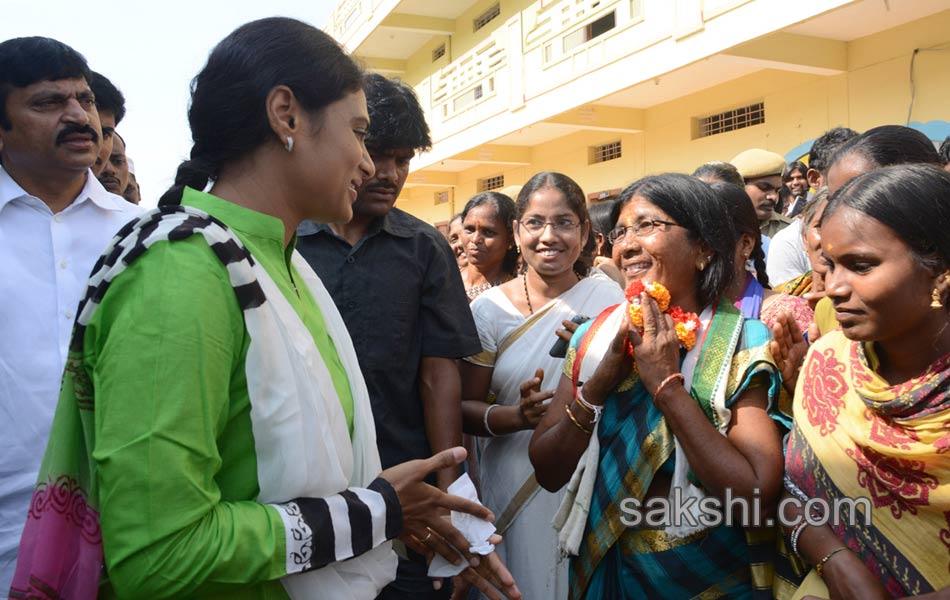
(396, 283)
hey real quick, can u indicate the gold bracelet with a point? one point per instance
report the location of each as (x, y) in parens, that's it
(580, 403)
(821, 563)
(666, 381)
(567, 409)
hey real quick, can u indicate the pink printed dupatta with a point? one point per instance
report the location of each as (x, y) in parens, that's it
(62, 512)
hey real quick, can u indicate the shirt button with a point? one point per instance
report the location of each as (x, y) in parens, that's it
(63, 264)
(69, 314)
(350, 259)
(57, 218)
(351, 305)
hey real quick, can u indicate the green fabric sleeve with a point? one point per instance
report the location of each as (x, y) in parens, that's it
(166, 351)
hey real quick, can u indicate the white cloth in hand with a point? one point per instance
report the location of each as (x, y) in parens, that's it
(476, 531)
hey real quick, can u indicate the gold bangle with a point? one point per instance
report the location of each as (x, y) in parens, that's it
(821, 563)
(666, 381)
(579, 402)
(567, 409)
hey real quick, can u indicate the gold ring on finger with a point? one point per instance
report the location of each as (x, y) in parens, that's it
(426, 538)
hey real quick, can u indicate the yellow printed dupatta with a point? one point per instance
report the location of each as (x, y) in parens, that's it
(857, 437)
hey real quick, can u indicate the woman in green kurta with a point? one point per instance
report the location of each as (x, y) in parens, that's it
(213, 436)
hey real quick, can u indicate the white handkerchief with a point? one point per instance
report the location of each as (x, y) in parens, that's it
(476, 531)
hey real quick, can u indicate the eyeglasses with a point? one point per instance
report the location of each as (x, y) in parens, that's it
(561, 226)
(642, 229)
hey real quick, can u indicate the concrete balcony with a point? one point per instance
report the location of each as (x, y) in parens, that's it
(543, 81)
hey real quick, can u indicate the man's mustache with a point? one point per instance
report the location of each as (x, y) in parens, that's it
(74, 129)
(375, 187)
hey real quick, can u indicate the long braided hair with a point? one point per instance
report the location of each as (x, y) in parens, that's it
(740, 208)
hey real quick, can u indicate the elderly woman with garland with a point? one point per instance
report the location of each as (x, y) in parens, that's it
(669, 395)
(507, 387)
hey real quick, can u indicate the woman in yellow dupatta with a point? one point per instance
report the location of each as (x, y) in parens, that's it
(872, 406)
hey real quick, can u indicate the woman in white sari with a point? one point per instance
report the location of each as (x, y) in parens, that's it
(507, 387)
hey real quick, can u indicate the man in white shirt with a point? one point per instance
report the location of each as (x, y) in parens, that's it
(55, 220)
(787, 259)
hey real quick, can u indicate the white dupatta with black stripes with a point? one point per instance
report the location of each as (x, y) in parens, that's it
(302, 440)
(301, 437)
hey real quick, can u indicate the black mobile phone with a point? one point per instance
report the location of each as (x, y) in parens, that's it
(559, 349)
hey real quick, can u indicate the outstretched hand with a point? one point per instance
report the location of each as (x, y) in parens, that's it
(423, 505)
(533, 401)
(428, 530)
(788, 349)
(490, 577)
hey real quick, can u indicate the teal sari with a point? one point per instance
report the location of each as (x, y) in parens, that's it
(620, 562)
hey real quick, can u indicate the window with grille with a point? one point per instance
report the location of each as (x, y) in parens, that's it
(438, 52)
(604, 152)
(483, 19)
(491, 183)
(441, 197)
(747, 116)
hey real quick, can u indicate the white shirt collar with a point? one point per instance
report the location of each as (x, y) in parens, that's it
(92, 191)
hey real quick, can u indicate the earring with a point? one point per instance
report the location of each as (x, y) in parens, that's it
(700, 264)
(290, 144)
(935, 299)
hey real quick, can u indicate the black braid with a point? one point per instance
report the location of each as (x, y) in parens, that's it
(758, 259)
(194, 173)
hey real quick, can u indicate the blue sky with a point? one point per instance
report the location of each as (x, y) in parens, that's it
(151, 51)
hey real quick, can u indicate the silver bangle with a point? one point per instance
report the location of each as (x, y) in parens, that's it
(485, 420)
(594, 409)
(796, 533)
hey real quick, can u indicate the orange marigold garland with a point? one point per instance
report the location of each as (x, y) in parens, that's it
(686, 323)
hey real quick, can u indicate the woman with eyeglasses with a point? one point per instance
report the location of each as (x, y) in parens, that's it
(690, 415)
(488, 242)
(506, 389)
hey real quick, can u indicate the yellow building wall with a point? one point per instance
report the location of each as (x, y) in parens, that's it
(420, 201)
(799, 107)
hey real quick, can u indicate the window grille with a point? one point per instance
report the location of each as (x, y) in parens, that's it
(483, 19)
(491, 183)
(605, 152)
(438, 52)
(747, 116)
